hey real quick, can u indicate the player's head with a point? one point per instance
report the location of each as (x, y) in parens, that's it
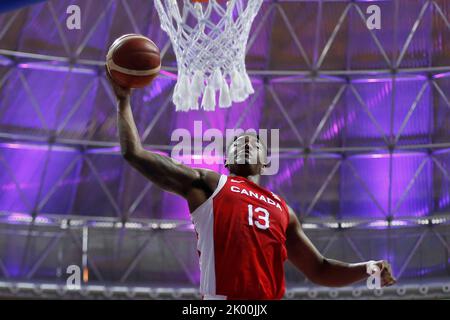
(246, 155)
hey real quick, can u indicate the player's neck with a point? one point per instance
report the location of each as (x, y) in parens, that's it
(255, 179)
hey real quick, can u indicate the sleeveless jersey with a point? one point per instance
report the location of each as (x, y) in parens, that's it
(241, 235)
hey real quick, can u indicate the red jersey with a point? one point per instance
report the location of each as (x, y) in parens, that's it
(241, 231)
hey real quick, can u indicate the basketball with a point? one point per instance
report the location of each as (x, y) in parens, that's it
(133, 61)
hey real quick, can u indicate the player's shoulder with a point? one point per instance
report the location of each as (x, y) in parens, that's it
(210, 177)
(288, 208)
(278, 198)
(207, 173)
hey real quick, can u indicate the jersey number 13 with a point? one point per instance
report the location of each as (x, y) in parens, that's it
(262, 219)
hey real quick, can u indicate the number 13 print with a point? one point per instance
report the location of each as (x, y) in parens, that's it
(263, 217)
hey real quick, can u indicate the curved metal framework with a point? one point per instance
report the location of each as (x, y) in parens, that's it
(364, 117)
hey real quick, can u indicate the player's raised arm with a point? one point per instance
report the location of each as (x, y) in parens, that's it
(193, 184)
(320, 270)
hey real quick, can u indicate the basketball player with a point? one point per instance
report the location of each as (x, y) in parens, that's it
(245, 232)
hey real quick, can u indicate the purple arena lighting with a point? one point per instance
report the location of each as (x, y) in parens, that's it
(364, 120)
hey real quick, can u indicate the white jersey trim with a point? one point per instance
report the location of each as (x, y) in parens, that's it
(220, 184)
(203, 220)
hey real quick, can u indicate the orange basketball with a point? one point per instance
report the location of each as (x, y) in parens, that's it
(133, 61)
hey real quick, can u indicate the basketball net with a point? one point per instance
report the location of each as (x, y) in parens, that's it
(211, 54)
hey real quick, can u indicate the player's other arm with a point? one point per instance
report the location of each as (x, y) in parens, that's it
(172, 176)
(320, 270)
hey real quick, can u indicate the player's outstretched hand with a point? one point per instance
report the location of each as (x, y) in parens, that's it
(387, 278)
(120, 92)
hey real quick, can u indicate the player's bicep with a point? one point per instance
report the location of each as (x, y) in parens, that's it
(165, 172)
(301, 251)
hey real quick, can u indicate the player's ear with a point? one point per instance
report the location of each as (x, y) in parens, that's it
(265, 162)
(262, 171)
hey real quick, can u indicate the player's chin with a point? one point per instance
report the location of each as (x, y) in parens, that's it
(246, 169)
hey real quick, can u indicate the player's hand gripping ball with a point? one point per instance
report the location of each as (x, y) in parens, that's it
(387, 277)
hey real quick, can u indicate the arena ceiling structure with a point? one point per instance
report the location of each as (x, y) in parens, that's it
(364, 119)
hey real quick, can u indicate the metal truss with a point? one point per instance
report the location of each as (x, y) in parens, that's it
(314, 73)
(78, 234)
(124, 214)
(80, 228)
(55, 291)
(15, 60)
(31, 283)
(305, 149)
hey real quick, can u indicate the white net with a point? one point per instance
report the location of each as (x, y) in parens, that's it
(209, 40)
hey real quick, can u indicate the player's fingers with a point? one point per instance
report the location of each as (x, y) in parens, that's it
(388, 270)
(386, 274)
(387, 265)
(382, 265)
(108, 75)
(388, 279)
(387, 282)
(391, 281)
(119, 90)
